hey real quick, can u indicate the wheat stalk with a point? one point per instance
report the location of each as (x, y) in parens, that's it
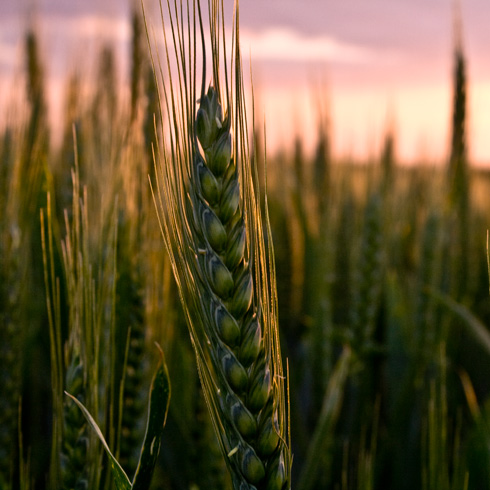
(10, 349)
(368, 275)
(211, 221)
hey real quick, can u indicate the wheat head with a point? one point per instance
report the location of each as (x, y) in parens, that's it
(211, 220)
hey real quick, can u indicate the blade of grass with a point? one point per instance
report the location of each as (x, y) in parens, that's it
(332, 403)
(157, 415)
(120, 478)
(475, 326)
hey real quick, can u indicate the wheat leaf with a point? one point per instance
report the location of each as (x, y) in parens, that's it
(120, 478)
(157, 415)
(475, 327)
(332, 402)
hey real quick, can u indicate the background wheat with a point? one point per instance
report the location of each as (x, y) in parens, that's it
(401, 400)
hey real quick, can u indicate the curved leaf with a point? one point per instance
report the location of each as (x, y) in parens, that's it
(157, 415)
(120, 478)
(475, 326)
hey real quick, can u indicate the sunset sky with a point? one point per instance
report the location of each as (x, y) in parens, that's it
(365, 64)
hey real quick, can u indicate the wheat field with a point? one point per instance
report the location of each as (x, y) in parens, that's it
(304, 323)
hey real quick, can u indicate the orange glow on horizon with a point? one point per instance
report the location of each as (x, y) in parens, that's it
(360, 112)
(366, 91)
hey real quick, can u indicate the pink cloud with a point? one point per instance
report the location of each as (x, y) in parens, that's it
(284, 44)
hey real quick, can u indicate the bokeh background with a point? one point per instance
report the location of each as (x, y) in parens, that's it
(369, 65)
(377, 119)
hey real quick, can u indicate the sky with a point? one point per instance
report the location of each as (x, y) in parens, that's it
(366, 66)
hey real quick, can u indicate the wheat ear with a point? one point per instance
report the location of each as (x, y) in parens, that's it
(212, 226)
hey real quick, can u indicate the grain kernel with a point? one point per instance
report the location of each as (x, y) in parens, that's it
(203, 128)
(228, 328)
(242, 299)
(230, 201)
(220, 156)
(252, 468)
(276, 475)
(251, 343)
(260, 390)
(234, 372)
(210, 188)
(236, 246)
(243, 420)
(213, 229)
(219, 276)
(268, 438)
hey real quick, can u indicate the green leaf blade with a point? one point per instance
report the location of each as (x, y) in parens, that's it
(157, 415)
(120, 478)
